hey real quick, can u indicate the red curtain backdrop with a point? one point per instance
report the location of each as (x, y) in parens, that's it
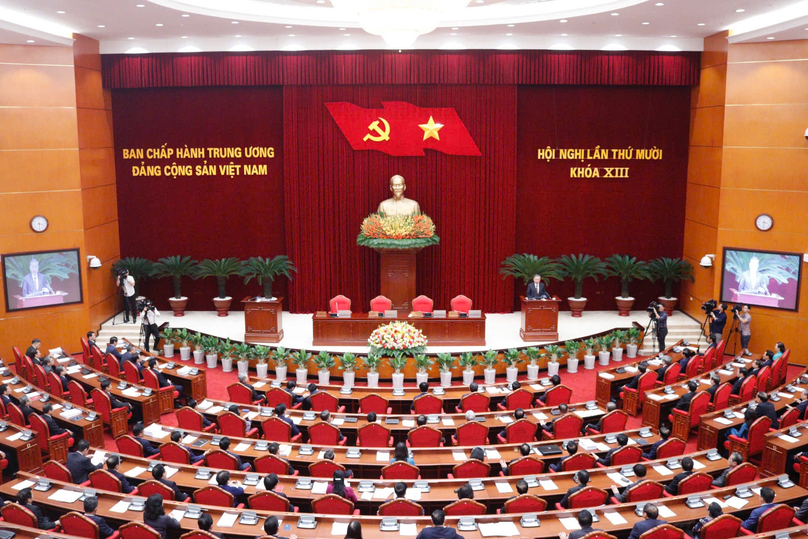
(330, 188)
(389, 67)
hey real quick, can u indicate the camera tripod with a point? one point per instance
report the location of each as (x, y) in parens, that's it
(703, 333)
(735, 328)
(651, 329)
(118, 301)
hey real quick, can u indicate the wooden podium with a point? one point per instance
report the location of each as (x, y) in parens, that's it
(262, 320)
(539, 319)
(397, 275)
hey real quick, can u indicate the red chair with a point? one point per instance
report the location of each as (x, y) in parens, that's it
(56, 446)
(671, 375)
(201, 534)
(425, 436)
(19, 515)
(672, 447)
(270, 501)
(696, 482)
(422, 304)
(213, 495)
(746, 393)
(789, 418)
(401, 470)
(138, 530)
(267, 464)
(719, 351)
(470, 434)
(665, 531)
(331, 504)
(693, 368)
(132, 373)
(400, 507)
(103, 480)
(339, 303)
(529, 465)
(40, 378)
(556, 395)
(521, 398)
(642, 491)
(743, 473)
(461, 304)
(29, 368)
(323, 400)
(174, 452)
(103, 406)
(373, 435)
(16, 416)
(190, 419)
(223, 460)
(630, 454)
(129, 446)
(776, 518)
(113, 366)
(78, 396)
(55, 386)
(59, 472)
(278, 430)
(710, 359)
(720, 398)
(463, 508)
(633, 398)
(19, 364)
(470, 469)
(85, 347)
(579, 461)
(586, 497)
(276, 396)
(79, 525)
(325, 468)
(476, 402)
(325, 434)
(568, 426)
(426, 405)
(374, 403)
(519, 432)
(524, 503)
(753, 444)
(152, 486)
(380, 304)
(241, 394)
(151, 381)
(98, 358)
(763, 378)
(231, 424)
(614, 421)
(684, 421)
(721, 527)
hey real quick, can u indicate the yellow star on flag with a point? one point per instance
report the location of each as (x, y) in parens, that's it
(431, 129)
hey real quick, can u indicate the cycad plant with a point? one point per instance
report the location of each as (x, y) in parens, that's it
(349, 362)
(242, 351)
(669, 271)
(604, 342)
(183, 337)
(573, 348)
(281, 356)
(468, 361)
(580, 267)
(266, 270)
(260, 353)
(324, 361)
(398, 360)
(589, 346)
(618, 338)
(525, 266)
(512, 357)
(175, 267)
(168, 335)
(373, 362)
(300, 359)
(633, 335)
(196, 340)
(532, 355)
(220, 268)
(210, 344)
(445, 362)
(626, 268)
(225, 349)
(491, 359)
(554, 351)
(423, 362)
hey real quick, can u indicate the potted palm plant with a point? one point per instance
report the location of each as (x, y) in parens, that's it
(243, 363)
(301, 359)
(348, 363)
(445, 364)
(511, 357)
(324, 362)
(281, 356)
(183, 336)
(572, 348)
(490, 360)
(618, 338)
(532, 354)
(175, 267)
(221, 269)
(422, 365)
(266, 270)
(139, 268)
(633, 336)
(168, 335)
(580, 267)
(224, 350)
(243, 352)
(261, 354)
(211, 347)
(626, 268)
(196, 339)
(373, 361)
(467, 361)
(398, 360)
(227, 350)
(669, 271)
(589, 353)
(604, 348)
(524, 266)
(554, 352)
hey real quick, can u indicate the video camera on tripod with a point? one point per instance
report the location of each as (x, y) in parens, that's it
(709, 306)
(145, 305)
(653, 306)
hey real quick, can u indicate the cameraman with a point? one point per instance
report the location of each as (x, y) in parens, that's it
(150, 314)
(718, 319)
(744, 327)
(658, 312)
(126, 284)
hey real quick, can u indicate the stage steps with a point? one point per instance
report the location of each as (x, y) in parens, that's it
(680, 326)
(119, 329)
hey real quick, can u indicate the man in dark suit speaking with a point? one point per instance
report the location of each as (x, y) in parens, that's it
(536, 289)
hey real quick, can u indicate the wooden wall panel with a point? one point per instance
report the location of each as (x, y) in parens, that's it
(89, 90)
(62, 208)
(38, 128)
(711, 88)
(100, 205)
(28, 55)
(779, 82)
(770, 126)
(716, 50)
(99, 242)
(768, 52)
(36, 86)
(97, 167)
(707, 126)
(35, 170)
(703, 240)
(756, 168)
(704, 165)
(95, 128)
(702, 204)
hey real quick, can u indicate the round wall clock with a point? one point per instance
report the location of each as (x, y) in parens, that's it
(764, 222)
(39, 223)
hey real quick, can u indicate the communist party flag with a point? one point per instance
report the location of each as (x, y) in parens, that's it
(402, 129)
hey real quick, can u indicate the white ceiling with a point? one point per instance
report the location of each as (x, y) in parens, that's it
(221, 25)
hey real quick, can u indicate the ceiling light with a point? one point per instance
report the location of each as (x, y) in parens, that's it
(130, 38)
(184, 37)
(740, 10)
(615, 14)
(563, 20)
(35, 23)
(30, 41)
(673, 36)
(321, 1)
(669, 48)
(141, 5)
(511, 25)
(60, 12)
(700, 24)
(453, 34)
(185, 15)
(137, 50)
(291, 35)
(618, 35)
(480, 1)
(159, 24)
(564, 35)
(288, 26)
(508, 34)
(342, 29)
(646, 23)
(347, 35)
(101, 26)
(233, 22)
(455, 28)
(770, 37)
(238, 35)
(659, 4)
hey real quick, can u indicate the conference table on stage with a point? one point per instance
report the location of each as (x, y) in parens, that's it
(354, 330)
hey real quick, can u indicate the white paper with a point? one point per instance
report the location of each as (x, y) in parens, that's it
(602, 447)
(259, 385)
(68, 370)
(321, 454)
(672, 396)
(570, 523)
(615, 518)
(704, 382)
(756, 490)
(189, 439)
(447, 422)
(698, 465)
(177, 514)
(70, 414)
(215, 409)
(170, 471)
(413, 494)
(183, 371)
(120, 507)
(492, 390)
(153, 430)
(14, 437)
(736, 502)
(548, 484)
(337, 421)
(20, 390)
(654, 396)
(492, 454)
(253, 415)
(242, 447)
(785, 395)
(711, 499)
(409, 423)
(738, 414)
(382, 456)
(57, 407)
(723, 420)
(339, 529)
(227, 520)
(65, 496)
(618, 478)
(787, 438)
(409, 529)
(204, 405)
(631, 369)
(33, 395)
(367, 495)
(662, 470)
(499, 529)
(459, 456)
(319, 487)
(587, 444)
(535, 387)
(131, 392)
(505, 419)
(583, 414)
(99, 457)
(91, 375)
(285, 450)
(664, 512)
(607, 376)
(503, 488)
(24, 484)
(134, 472)
(540, 416)
(383, 493)
(296, 419)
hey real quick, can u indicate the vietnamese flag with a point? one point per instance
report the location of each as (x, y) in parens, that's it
(402, 129)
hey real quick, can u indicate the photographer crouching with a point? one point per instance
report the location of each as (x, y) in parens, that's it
(149, 323)
(657, 310)
(126, 286)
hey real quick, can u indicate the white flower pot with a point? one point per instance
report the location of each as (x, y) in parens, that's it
(185, 353)
(243, 367)
(398, 380)
(511, 374)
(468, 377)
(446, 379)
(373, 379)
(490, 376)
(421, 377)
(262, 369)
(572, 365)
(212, 359)
(168, 350)
(324, 377)
(617, 354)
(302, 376)
(603, 357)
(589, 362)
(227, 365)
(631, 350)
(532, 372)
(552, 368)
(348, 378)
(199, 356)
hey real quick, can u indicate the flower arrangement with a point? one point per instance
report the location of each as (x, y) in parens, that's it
(397, 336)
(397, 231)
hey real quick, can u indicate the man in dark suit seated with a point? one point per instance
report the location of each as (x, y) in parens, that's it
(550, 425)
(91, 338)
(687, 470)
(766, 408)
(148, 448)
(162, 379)
(735, 460)
(572, 448)
(271, 527)
(128, 355)
(536, 289)
(6, 399)
(274, 447)
(743, 374)
(90, 505)
(802, 510)
(473, 388)
(47, 364)
(159, 472)
(684, 400)
(31, 352)
(622, 441)
(756, 366)
(235, 410)
(751, 523)
(664, 434)
(271, 483)
(233, 487)
(58, 370)
(687, 355)
(113, 464)
(325, 417)
(113, 402)
(25, 408)
(611, 406)
(585, 522)
(438, 530)
(191, 403)
(112, 348)
(581, 479)
(224, 445)
(423, 387)
(280, 413)
(715, 380)
(312, 389)
(801, 406)
(176, 437)
(666, 364)
(639, 472)
(205, 523)
(290, 389)
(244, 380)
(651, 513)
(768, 359)
(25, 497)
(524, 450)
(79, 464)
(53, 427)
(521, 488)
(556, 381)
(635, 382)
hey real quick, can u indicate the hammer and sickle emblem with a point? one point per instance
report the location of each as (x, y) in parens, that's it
(382, 134)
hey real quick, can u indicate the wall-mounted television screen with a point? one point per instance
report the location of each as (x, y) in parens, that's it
(41, 279)
(762, 278)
